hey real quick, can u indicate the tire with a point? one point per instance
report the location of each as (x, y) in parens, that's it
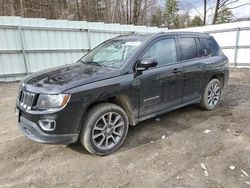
(104, 129)
(212, 95)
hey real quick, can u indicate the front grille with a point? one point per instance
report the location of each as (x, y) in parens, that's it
(26, 99)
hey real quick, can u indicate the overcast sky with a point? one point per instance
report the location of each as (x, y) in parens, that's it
(196, 7)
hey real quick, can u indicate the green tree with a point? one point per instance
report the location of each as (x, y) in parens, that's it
(171, 13)
(225, 15)
(184, 20)
(197, 21)
(222, 12)
(157, 18)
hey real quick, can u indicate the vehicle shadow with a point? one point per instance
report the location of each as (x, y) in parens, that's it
(165, 125)
(168, 124)
(77, 146)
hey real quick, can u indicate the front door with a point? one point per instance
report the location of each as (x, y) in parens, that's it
(161, 85)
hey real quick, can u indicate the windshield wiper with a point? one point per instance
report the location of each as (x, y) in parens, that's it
(111, 63)
(93, 63)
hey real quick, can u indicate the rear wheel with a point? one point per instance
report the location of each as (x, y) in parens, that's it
(211, 96)
(104, 129)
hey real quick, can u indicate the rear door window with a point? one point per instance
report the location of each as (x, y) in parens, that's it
(189, 48)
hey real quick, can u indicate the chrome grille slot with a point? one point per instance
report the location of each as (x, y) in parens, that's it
(26, 99)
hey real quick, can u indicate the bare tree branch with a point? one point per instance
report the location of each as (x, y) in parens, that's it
(239, 6)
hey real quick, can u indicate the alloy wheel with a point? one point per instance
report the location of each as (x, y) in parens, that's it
(108, 131)
(214, 94)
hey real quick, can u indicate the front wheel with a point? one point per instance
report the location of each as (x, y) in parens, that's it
(104, 129)
(211, 96)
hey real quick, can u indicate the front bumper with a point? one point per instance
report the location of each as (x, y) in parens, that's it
(33, 132)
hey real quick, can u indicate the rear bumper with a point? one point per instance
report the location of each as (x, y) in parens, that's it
(33, 132)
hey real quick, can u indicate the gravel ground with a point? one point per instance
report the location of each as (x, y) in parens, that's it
(185, 157)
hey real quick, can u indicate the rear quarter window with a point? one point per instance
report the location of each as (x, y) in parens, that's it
(211, 46)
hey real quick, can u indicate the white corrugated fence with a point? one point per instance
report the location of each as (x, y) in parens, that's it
(28, 45)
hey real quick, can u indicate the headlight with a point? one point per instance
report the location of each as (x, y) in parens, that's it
(21, 85)
(52, 101)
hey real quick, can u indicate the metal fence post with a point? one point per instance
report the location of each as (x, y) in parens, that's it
(236, 46)
(89, 41)
(22, 48)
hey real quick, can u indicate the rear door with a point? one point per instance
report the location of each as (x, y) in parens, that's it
(161, 85)
(194, 67)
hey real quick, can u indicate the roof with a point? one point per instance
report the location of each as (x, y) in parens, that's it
(185, 33)
(139, 37)
(154, 35)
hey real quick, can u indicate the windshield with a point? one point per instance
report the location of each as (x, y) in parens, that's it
(112, 53)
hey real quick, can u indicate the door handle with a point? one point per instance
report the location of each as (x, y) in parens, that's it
(175, 71)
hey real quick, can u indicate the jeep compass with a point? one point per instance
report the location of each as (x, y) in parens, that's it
(119, 83)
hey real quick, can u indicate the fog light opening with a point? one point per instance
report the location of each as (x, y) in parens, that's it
(47, 125)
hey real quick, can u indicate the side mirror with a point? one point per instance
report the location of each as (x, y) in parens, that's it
(146, 63)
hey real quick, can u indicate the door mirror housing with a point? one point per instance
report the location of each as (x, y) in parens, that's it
(146, 63)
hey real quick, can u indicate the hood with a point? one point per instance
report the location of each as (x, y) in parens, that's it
(59, 79)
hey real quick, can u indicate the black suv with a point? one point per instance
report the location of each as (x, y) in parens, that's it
(121, 82)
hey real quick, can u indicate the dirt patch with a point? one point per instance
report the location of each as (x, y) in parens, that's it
(145, 159)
